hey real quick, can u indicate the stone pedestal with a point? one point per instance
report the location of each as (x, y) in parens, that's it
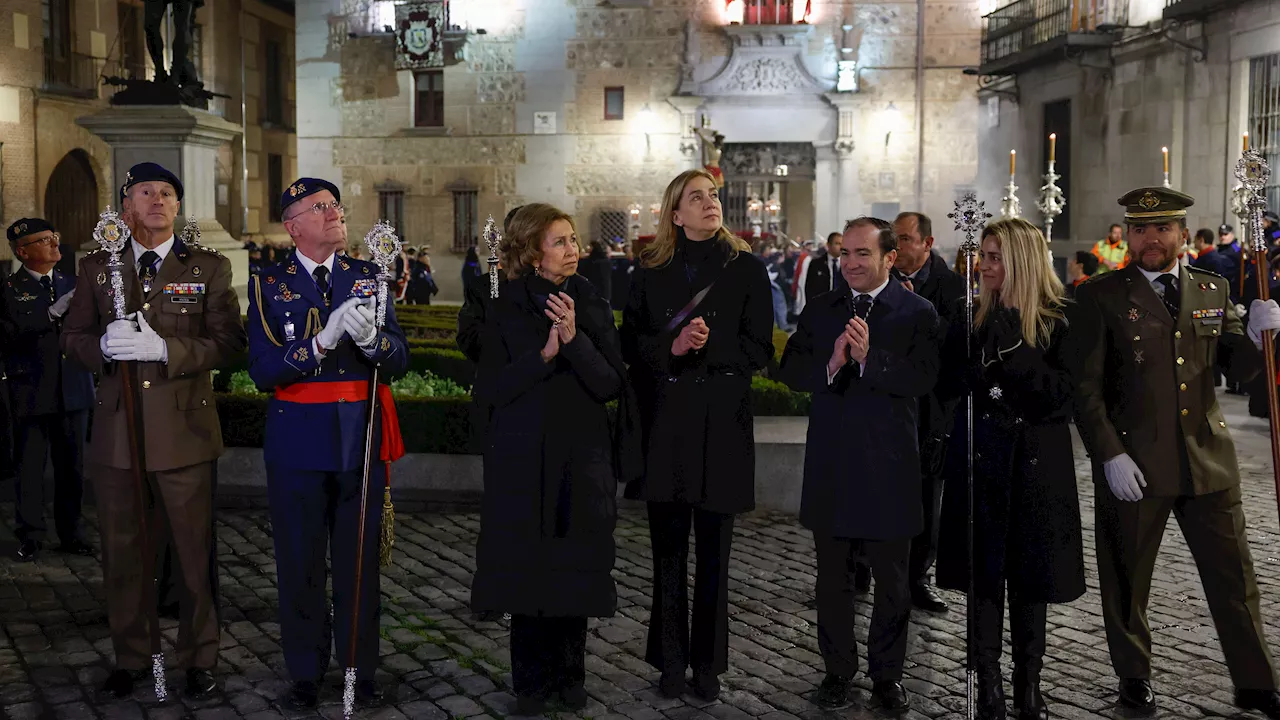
(186, 141)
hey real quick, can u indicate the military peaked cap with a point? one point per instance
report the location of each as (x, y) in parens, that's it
(149, 172)
(23, 227)
(302, 187)
(1154, 204)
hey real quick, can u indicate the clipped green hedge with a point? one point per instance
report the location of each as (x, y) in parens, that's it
(769, 397)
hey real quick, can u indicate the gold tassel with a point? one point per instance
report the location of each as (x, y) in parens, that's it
(388, 538)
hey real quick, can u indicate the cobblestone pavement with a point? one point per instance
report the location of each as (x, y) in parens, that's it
(440, 663)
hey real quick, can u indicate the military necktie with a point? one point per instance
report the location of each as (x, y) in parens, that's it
(1171, 297)
(321, 276)
(46, 282)
(147, 266)
(862, 306)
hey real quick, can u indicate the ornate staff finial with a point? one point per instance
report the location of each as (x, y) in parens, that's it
(970, 216)
(113, 236)
(1051, 201)
(1010, 206)
(384, 248)
(491, 238)
(1253, 173)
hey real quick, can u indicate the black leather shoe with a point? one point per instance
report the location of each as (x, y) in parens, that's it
(891, 696)
(926, 598)
(1266, 702)
(368, 693)
(833, 693)
(200, 684)
(168, 611)
(1137, 694)
(574, 698)
(1027, 699)
(302, 696)
(706, 686)
(672, 685)
(990, 695)
(119, 683)
(28, 550)
(861, 578)
(76, 546)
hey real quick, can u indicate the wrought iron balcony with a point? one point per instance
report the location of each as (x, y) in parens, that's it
(1195, 9)
(72, 74)
(1026, 33)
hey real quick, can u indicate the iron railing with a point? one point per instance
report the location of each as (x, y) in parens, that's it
(72, 73)
(1264, 118)
(1023, 25)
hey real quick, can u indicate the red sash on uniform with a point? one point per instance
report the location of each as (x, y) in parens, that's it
(352, 391)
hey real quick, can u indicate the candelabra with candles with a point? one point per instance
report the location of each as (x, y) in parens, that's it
(1165, 152)
(1010, 206)
(1051, 199)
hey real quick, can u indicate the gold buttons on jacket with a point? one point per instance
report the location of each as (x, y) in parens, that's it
(1183, 387)
(1136, 338)
(146, 306)
(146, 384)
(1180, 361)
(204, 402)
(1177, 334)
(1222, 424)
(1215, 332)
(1185, 412)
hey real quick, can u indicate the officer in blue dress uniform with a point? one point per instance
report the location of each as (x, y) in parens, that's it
(313, 341)
(50, 397)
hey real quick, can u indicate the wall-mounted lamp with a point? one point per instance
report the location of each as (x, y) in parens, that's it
(647, 120)
(890, 119)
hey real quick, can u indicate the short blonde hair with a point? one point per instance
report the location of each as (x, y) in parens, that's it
(521, 248)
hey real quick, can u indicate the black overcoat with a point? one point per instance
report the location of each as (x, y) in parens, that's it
(1026, 509)
(698, 432)
(862, 462)
(549, 508)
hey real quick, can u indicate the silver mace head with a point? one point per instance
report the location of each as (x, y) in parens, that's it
(384, 247)
(1253, 173)
(113, 236)
(970, 217)
(492, 236)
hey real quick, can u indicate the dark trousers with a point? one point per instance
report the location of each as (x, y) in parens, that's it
(1026, 634)
(924, 547)
(168, 587)
(312, 511)
(1129, 535)
(890, 615)
(548, 654)
(671, 646)
(182, 500)
(38, 437)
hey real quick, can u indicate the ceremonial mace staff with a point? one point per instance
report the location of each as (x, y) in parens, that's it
(114, 236)
(384, 246)
(970, 217)
(492, 238)
(1253, 173)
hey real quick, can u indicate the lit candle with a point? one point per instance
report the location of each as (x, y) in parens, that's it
(1053, 147)
(1013, 160)
(1246, 142)
(1165, 152)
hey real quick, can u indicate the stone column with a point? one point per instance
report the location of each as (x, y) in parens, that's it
(848, 188)
(186, 141)
(690, 146)
(826, 198)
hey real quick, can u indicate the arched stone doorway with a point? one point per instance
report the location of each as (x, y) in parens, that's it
(71, 204)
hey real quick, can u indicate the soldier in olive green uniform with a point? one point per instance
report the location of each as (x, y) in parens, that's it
(1148, 338)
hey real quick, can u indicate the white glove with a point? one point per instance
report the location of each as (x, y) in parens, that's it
(143, 346)
(1262, 316)
(59, 308)
(116, 329)
(331, 334)
(1124, 477)
(361, 326)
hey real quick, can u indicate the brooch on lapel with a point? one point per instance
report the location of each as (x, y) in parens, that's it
(102, 278)
(343, 264)
(1137, 356)
(271, 280)
(996, 393)
(196, 271)
(365, 269)
(25, 297)
(1135, 314)
(292, 269)
(286, 295)
(386, 344)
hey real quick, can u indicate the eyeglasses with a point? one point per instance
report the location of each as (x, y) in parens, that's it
(52, 241)
(322, 208)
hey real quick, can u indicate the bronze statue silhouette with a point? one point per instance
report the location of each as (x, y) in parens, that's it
(183, 71)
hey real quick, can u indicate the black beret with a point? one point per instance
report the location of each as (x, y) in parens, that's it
(303, 187)
(149, 172)
(1224, 228)
(23, 227)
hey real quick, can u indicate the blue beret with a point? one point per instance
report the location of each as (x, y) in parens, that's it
(149, 172)
(303, 187)
(23, 227)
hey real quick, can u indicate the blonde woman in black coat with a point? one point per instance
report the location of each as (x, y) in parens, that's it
(1026, 518)
(550, 360)
(698, 324)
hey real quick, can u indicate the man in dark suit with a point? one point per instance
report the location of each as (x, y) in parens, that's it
(50, 397)
(1139, 333)
(930, 277)
(867, 355)
(822, 273)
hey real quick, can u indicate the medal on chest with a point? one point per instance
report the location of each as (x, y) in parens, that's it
(289, 334)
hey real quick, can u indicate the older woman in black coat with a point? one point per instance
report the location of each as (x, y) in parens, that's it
(549, 362)
(1026, 520)
(697, 325)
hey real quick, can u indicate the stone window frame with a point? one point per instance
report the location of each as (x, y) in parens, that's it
(1264, 117)
(391, 206)
(466, 217)
(621, 94)
(437, 91)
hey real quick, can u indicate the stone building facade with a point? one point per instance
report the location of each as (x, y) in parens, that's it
(1186, 75)
(592, 106)
(54, 56)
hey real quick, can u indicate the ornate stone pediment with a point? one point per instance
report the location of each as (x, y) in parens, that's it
(766, 60)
